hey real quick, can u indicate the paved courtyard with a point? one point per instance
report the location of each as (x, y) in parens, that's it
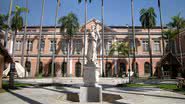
(55, 95)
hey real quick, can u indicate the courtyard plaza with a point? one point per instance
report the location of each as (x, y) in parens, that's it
(59, 94)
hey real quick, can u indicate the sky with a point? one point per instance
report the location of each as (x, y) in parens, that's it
(117, 12)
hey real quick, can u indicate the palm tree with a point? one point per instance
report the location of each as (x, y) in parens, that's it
(69, 27)
(16, 25)
(134, 40)
(161, 23)
(85, 32)
(40, 36)
(148, 20)
(178, 23)
(122, 49)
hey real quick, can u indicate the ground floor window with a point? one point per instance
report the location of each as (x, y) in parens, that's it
(78, 69)
(122, 71)
(40, 68)
(64, 69)
(147, 67)
(28, 66)
(108, 69)
(50, 69)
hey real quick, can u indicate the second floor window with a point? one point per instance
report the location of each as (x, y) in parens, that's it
(51, 45)
(77, 46)
(64, 46)
(29, 45)
(108, 46)
(18, 45)
(42, 45)
(156, 46)
(145, 46)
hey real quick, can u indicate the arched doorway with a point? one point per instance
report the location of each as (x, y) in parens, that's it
(78, 69)
(122, 69)
(147, 68)
(64, 69)
(50, 69)
(108, 69)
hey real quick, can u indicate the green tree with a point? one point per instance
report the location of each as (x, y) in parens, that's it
(178, 23)
(16, 25)
(148, 20)
(3, 20)
(69, 27)
(122, 48)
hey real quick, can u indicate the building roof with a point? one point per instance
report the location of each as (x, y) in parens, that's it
(169, 59)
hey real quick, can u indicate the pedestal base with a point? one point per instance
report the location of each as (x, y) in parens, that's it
(90, 94)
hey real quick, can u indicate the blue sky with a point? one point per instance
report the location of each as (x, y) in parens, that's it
(117, 12)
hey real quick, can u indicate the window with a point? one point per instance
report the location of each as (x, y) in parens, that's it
(51, 45)
(30, 45)
(108, 46)
(18, 45)
(77, 44)
(28, 66)
(64, 46)
(42, 45)
(147, 67)
(157, 47)
(145, 46)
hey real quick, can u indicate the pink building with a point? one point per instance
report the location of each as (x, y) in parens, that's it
(115, 65)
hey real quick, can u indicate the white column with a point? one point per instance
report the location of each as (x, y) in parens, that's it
(101, 72)
(70, 59)
(115, 66)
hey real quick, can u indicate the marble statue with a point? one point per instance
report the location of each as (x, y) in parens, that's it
(93, 44)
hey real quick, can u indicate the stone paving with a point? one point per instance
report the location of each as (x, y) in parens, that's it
(55, 95)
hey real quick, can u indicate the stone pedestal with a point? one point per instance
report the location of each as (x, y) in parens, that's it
(91, 91)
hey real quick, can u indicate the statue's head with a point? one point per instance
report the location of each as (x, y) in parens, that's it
(93, 27)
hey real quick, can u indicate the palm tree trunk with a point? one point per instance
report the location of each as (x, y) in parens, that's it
(161, 23)
(24, 36)
(102, 13)
(68, 64)
(150, 53)
(40, 36)
(9, 17)
(134, 42)
(54, 40)
(85, 34)
(180, 47)
(12, 65)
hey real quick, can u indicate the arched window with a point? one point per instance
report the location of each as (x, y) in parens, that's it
(28, 66)
(108, 69)
(64, 69)
(147, 67)
(78, 69)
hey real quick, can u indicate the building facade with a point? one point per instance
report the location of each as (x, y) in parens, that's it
(114, 65)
